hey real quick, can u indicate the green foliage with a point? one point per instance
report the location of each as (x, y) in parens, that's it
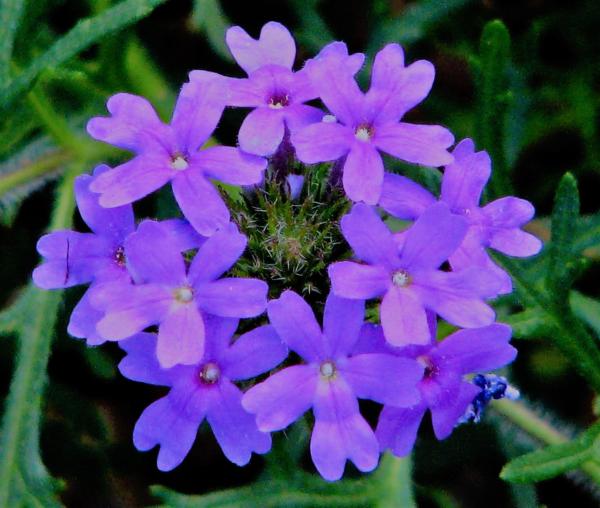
(587, 309)
(208, 18)
(10, 17)
(80, 37)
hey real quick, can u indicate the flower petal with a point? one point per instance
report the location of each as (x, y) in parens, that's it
(298, 116)
(321, 142)
(200, 202)
(384, 378)
(181, 336)
(274, 46)
(444, 417)
(282, 398)
(419, 144)
(253, 353)
(351, 280)
(363, 173)
(342, 321)
(262, 131)
(403, 318)
(515, 242)
(509, 212)
(403, 198)
(235, 428)
(230, 165)
(233, 297)
(397, 428)
(83, 320)
(294, 321)
(141, 363)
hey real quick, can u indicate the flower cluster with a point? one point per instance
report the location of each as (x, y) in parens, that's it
(166, 291)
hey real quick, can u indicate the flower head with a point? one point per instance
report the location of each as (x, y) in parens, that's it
(203, 390)
(408, 279)
(172, 153)
(330, 382)
(365, 124)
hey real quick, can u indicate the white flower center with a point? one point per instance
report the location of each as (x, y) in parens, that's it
(329, 119)
(210, 373)
(363, 133)
(179, 163)
(401, 278)
(327, 369)
(184, 294)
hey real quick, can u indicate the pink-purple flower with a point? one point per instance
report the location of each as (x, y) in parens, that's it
(177, 298)
(496, 225)
(408, 279)
(203, 390)
(362, 125)
(330, 382)
(173, 153)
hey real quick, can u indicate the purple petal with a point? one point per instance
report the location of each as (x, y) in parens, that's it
(230, 165)
(404, 198)
(233, 297)
(419, 144)
(234, 428)
(394, 88)
(294, 321)
(141, 363)
(363, 173)
(115, 223)
(321, 142)
(340, 432)
(283, 397)
(371, 340)
(248, 92)
(465, 178)
(509, 212)
(198, 110)
(515, 242)
(477, 349)
(384, 378)
(298, 116)
(339, 51)
(83, 320)
(342, 321)
(351, 280)
(403, 318)
(444, 417)
(253, 353)
(219, 333)
(151, 257)
(369, 237)
(133, 125)
(132, 180)
(130, 309)
(200, 202)
(183, 236)
(433, 238)
(162, 424)
(262, 131)
(397, 428)
(181, 336)
(217, 255)
(275, 46)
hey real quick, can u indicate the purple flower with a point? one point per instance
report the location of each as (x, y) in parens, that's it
(171, 153)
(408, 278)
(330, 382)
(176, 298)
(496, 225)
(276, 92)
(202, 390)
(363, 124)
(443, 388)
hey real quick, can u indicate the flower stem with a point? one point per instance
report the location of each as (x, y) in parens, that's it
(395, 482)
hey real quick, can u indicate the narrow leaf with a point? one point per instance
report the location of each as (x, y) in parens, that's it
(85, 33)
(208, 17)
(11, 12)
(587, 309)
(527, 324)
(313, 31)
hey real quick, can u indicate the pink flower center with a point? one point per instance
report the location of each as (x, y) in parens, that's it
(119, 256)
(278, 101)
(210, 373)
(401, 279)
(431, 368)
(328, 370)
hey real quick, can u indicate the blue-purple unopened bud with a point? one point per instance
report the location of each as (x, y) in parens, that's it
(493, 387)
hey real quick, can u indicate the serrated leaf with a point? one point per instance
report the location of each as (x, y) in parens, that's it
(587, 309)
(85, 33)
(208, 17)
(552, 460)
(562, 264)
(587, 237)
(11, 12)
(493, 99)
(527, 324)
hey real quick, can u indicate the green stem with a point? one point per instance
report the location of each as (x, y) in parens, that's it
(395, 483)
(47, 164)
(536, 427)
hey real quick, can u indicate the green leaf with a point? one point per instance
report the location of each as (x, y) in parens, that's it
(587, 309)
(24, 480)
(529, 323)
(395, 482)
(313, 31)
(11, 12)
(493, 99)
(208, 17)
(562, 265)
(587, 236)
(414, 22)
(85, 33)
(552, 460)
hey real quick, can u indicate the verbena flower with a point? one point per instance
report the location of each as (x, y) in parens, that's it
(72, 258)
(444, 390)
(176, 298)
(275, 91)
(495, 225)
(204, 390)
(493, 387)
(361, 125)
(172, 153)
(408, 278)
(330, 382)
